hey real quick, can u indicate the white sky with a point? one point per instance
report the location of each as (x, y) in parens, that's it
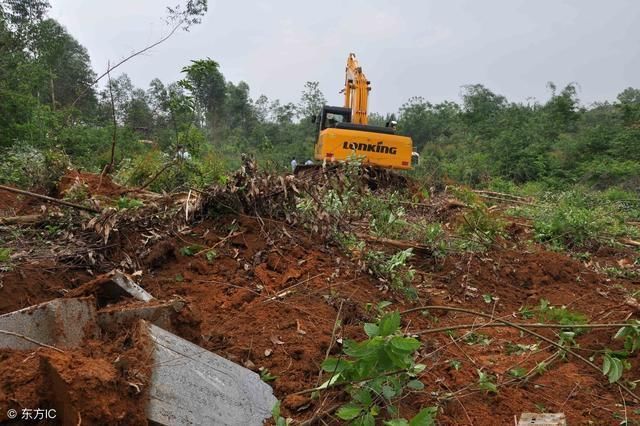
(406, 47)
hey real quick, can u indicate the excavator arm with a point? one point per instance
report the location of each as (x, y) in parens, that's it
(356, 91)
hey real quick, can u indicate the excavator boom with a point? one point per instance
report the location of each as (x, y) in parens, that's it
(356, 91)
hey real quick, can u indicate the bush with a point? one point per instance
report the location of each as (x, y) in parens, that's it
(196, 172)
(32, 168)
(578, 219)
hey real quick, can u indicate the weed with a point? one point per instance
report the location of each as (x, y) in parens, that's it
(392, 269)
(434, 236)
(266, 376)
(487, 382)
(278, 420)
(560, 315)
(191, 250)
(5, 255)
(576, 220)
(129, 203)
(518, 372)
(519, 348)
(210, 255)
(380, 307)
(473, 338)
(378, 371)
(455, 364)
(624, 273)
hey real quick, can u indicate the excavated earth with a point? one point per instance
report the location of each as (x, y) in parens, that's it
(269, 299)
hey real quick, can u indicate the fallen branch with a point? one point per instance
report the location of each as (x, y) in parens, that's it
(29, 339)
(507, 200)
(50, 199)
(395, 243)
(524, 330)
(499, 194)
(630, 242)
(29, 219)
(529, 325)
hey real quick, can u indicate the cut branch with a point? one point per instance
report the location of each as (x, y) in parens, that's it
(29, 219)
(50, 199)
(29, 339)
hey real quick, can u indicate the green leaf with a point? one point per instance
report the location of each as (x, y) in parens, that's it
(363, 396)
(405, 344)
(388, 392)
(275, 411)
(415, 384)
(349, 411)
(389, 324)
(396, 422)
(334, 365)
(426, 417)
(612, 367)
(371, 329)
(366, 420)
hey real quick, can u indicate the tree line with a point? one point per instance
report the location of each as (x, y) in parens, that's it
(49, 101)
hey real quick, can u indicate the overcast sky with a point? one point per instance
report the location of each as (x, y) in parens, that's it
(406, 47)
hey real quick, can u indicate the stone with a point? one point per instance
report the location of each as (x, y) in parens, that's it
(160, 314)
(542, 419)
(192, 386)
(59, 322)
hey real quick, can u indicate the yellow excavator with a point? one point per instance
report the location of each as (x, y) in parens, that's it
(344, 131)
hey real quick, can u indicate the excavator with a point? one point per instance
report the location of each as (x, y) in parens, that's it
(344, 131)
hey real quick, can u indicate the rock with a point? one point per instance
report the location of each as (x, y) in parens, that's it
(59, 322)
(542, 419)
(111, 319)
(192, 386)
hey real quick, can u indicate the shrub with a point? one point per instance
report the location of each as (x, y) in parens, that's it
(32, 168)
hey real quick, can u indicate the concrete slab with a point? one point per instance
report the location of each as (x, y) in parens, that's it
(59, 322)
(112, 319)
(192, 386)
(130, 287)
(542, 419)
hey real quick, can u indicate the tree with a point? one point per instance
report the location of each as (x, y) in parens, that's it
(208, 87)
(311, 101)
(65, 63)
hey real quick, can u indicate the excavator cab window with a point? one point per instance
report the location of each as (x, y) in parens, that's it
(331, 116)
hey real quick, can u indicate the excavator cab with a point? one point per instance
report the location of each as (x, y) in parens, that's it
(333, 116)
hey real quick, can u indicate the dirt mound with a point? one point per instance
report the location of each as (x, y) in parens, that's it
(96, 184)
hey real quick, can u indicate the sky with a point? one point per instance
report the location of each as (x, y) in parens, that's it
(406, 48)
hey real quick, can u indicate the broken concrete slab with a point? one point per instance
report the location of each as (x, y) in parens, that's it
(192, 386)
(59, 323)
(129, 286)
(542, 419)
(111, 288)
(111, 319)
